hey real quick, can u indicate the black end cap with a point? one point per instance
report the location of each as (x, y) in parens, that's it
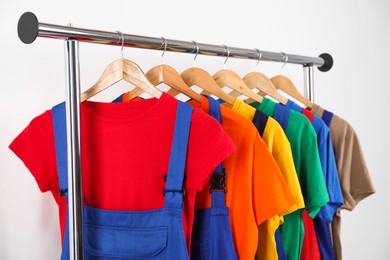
(328, 64)
(28, 28)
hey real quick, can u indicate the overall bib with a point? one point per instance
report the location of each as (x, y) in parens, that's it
(211, 235)
(151, 234)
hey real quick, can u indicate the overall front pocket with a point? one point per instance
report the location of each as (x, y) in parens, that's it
(124, 242)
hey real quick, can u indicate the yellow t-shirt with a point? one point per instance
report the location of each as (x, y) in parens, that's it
(279, 147)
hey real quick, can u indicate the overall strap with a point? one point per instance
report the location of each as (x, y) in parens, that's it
(173, 191)
(281, 115)
(218, 179)
(118, 99)
(59, 127)
(327, 117)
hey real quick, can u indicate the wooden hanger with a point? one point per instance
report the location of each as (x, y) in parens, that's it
(264, 84)
(261, 82)
(118, 70)
(232, 80)
(202, 79)
(236, 94)
(168, 75)
(287, 86)
(174, 92)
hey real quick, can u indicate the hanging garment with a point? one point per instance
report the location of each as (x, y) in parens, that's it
(310, 245)
(255, 185)
(278, 145)
(123, 136)
(325, 241)
(279, 246)
(328, 163)
(308, 167)
(155, 234)
(353, 173)
(212, 237)
(321, 233)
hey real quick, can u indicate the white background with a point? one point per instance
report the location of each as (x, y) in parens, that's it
(356, 33)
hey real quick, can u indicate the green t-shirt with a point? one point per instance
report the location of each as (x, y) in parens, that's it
(303, 141)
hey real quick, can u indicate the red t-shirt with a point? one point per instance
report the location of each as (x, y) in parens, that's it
(125, 150)
(310, 247)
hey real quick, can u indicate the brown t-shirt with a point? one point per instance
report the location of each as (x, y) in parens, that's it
(353, 173)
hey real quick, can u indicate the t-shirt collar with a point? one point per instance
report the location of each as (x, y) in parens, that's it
(293, 106)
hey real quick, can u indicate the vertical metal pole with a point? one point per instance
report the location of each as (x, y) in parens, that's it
(73, 150)
(308, 71)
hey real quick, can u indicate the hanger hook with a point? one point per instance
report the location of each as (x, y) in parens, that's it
(122, 40)
(285, 58)
(165, 43)
(227, 50)
(259, 55)
(196, 46)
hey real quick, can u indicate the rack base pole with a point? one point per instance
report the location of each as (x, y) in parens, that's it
(73, 150)
(308, 76)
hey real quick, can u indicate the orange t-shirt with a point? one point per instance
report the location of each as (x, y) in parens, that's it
(280, 148)
(256, 189)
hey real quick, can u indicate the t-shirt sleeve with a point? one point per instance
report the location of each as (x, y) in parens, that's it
(353, 172)
(35, 147)
(313, 182)
(271, 195)
(284, 158)
(331, 179)
(208, 145)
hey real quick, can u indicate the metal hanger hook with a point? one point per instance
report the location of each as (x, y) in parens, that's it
(227, 50)
(196, 46)
(165, 43)
(259, 55)
(285, 58)
(122, 40)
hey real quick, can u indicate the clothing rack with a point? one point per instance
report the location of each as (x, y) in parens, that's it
(29, 28)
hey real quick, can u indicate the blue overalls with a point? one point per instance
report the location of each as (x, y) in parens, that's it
(212, 235)
(151, 234)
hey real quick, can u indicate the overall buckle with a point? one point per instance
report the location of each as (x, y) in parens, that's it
(218, 182)
(183, 191)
